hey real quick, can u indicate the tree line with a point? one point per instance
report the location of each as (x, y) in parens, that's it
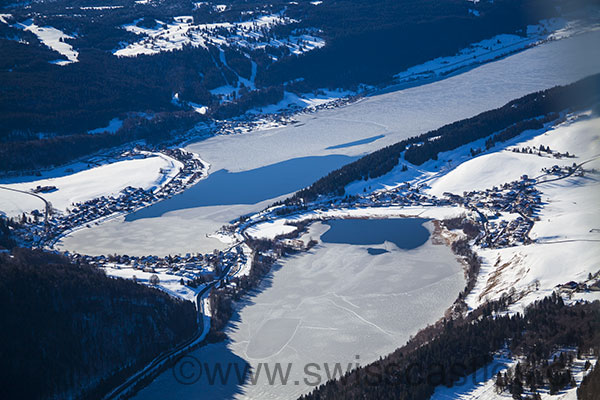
(366, 42)
(446, 353)
(528, 112)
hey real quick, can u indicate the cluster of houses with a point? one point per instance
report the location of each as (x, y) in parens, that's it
(248, 123)
(563, 170)
(128, 200)
(506, 212)
(505, 233)
(517, 197)
(251, 122)
(579, 287)
(542, 151)
(404, 195)
(191, 267)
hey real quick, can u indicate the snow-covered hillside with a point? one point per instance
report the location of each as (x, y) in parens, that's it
(105, 180)
(248, 35)
(53, 38)
(496, 47)
(481, 384)
(567, 235)
(566, 231)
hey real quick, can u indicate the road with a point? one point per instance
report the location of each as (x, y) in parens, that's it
(157, 365)
(46, 204)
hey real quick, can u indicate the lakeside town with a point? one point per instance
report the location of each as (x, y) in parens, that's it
(37, 229)
(505, 213)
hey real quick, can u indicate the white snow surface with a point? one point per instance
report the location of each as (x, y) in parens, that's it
(168, 282)
(54, 39)
(13, 204)
(396, 115)
(88, 184)
(496, 47)
(480, 384)
(567, 246)
(4, 18)
(168, 36)
(270, 229)
(113, 126)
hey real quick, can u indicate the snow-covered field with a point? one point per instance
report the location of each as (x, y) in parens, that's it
(270, 229)
(567, 240)
(182, 31)
(53, 38)
(168, 282)
(105, 180)
(16, 203)
(395, 115)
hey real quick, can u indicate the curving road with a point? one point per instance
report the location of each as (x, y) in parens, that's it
(158, 364)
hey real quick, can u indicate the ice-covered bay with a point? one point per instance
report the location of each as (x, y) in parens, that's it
(330, 305)
(395, 115)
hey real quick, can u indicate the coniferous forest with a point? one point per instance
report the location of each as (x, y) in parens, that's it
(444, 354)
(69, 331)
(48, 109)
(528, 112)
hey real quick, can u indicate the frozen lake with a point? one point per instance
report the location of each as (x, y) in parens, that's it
(247, 187)
(350, 131)
(335, 304)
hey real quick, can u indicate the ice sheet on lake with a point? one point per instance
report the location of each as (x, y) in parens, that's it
(396, 115)
(328, 306)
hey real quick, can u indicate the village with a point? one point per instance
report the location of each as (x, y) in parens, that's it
(506, 213)
(192, 269)
(39, 229)
(254, 121)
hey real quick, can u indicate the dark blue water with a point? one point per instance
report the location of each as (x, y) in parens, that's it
(375, 252)
(355, 143)
(248, 187)
(406, 233)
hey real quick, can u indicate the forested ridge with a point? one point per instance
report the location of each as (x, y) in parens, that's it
(528, 112)
(32, 154)
(370, 41)
(69, 331)
(48, 109)
(446, 353)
